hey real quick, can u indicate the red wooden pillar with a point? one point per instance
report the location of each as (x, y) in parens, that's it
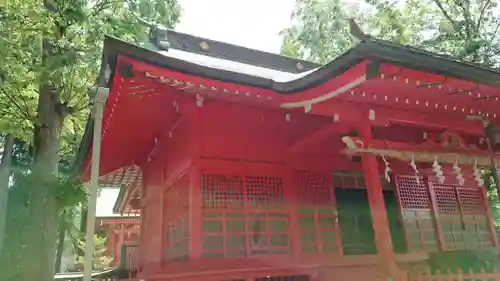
(140, 240)
(195, 182)
(292, 207)
(111, 250)
(377, 207)
(195, 214)
(119, 245)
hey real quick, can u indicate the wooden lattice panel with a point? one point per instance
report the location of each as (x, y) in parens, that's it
(178, 239)
(176, 201)
(477, 232)
(352, 180)
(349, 180)
(243, 215)
(228, 191)
(244, 233)
(461, 213)
(314, 188)
(448, 216)
(219, 191)
(413, 193)
(472, 201)
(446, 201)
(261, 191)
(317, 214)
(176, 220)
(416, 213)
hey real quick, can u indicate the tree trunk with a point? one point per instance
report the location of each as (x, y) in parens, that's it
(61, 236)
(32, 220)
(5, 167)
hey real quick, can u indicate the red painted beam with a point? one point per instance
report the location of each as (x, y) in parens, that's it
(319, 135)
(354, 112)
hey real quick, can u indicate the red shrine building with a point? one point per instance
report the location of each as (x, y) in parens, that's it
(119, 224)
(246, 165)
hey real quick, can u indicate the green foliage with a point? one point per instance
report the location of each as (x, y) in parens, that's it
(101, 261)
(464, 260)
(463, 29)
(319, 32)
(70, 192)
(492, 193)
(74, 31)
(51, 53)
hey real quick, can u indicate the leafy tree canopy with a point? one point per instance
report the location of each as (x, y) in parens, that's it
(463, 29)
(51, 53)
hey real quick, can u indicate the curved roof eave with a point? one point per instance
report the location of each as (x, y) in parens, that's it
(367, 49)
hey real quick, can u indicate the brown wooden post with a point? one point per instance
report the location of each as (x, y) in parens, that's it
(377, 207)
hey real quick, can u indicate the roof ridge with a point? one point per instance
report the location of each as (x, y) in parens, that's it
(227, 51)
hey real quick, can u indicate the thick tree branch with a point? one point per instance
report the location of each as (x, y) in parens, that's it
(99, 7)
(468, 19)
(481, 15)
(447, 16)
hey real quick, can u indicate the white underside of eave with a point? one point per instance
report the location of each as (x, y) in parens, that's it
(236, 67)
(106, 201)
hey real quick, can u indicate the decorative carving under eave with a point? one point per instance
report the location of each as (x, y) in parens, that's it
(452, 139)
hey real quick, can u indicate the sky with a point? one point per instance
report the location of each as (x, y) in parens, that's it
(254, 24)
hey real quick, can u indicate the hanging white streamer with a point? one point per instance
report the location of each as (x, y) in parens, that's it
(413, 165)
(387, 170)
(438, 170)
(477, 174)
(458, 172)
